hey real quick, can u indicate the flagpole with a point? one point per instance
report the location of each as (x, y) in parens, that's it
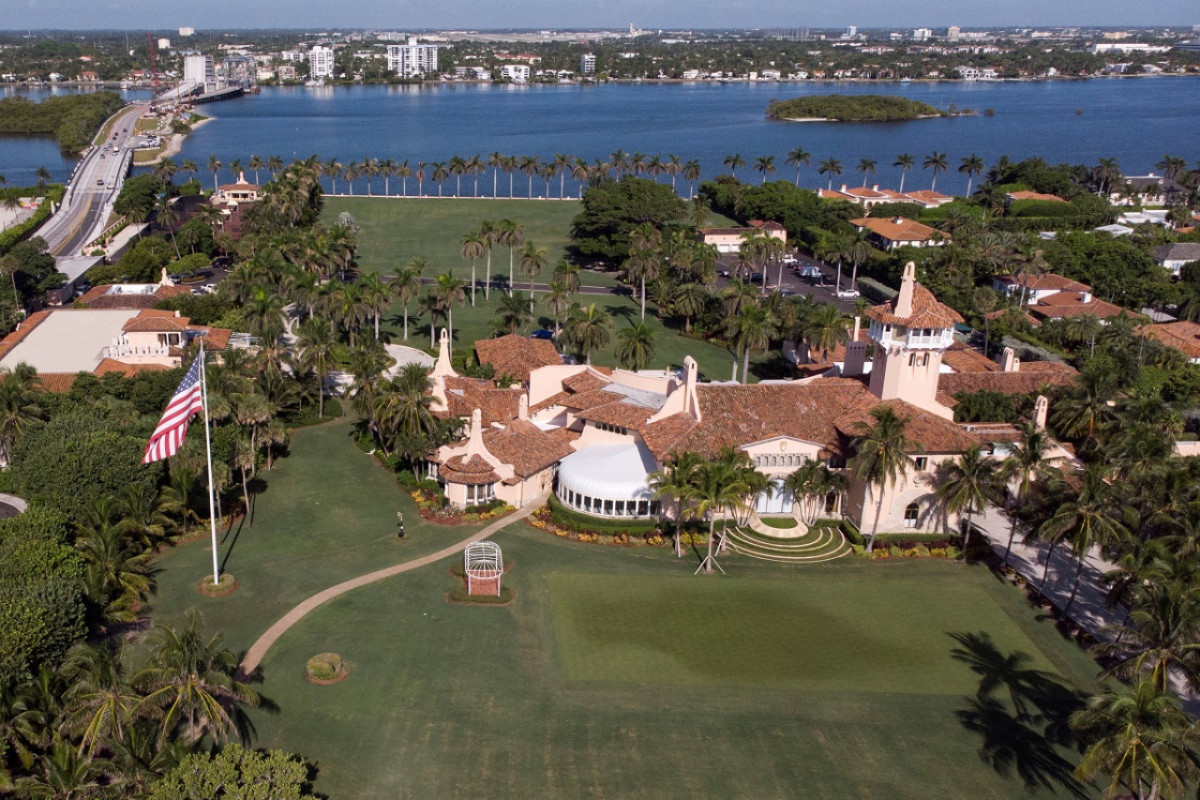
(212, 503)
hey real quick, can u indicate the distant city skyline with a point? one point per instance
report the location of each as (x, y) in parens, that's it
(535, 14)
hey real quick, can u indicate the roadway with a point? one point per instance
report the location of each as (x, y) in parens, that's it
(92, 188)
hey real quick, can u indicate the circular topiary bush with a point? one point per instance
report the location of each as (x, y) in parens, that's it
(326, 668)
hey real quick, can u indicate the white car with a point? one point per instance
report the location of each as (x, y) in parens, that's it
(848, 293)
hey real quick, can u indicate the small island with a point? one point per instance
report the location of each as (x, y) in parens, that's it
(852, 108)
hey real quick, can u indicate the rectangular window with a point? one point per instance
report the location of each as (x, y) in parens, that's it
(921, 463)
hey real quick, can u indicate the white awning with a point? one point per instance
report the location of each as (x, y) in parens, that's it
(608, 472)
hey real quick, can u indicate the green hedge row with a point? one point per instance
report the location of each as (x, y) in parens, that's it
(569, 518)
(18, 233)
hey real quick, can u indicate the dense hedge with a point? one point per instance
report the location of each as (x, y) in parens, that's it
(53, 193)
(569, 518)
(852, 108)
(72, 119)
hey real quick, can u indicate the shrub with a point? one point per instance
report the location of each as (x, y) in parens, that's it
(575, 521)
(325, 667)
(406, 478)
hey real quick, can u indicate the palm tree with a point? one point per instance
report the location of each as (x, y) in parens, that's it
(825, 328)
(43, 178)
(557, 301)
(1091, 518)
(971, 166)
(98, 704)
(881, 457)
(719, 484)
(447, 292)
(473, 247)
(274, 164)
(811, 485)
(691, 174)
(830, 167)
(191, 684)
(938, 163)
(643, 261)
(406, 284)
(403, 171)
(255, 163)
(636, 348)
(798, 157)
(1025, 464)
(1159, 637)
(589, 330)
(489, 233)
(513, 312)
(115, 570)
(214, 166)
(317, 344)
(376, 297)
(690, 301)
(496, 162)
(765, 165)
(905, 162)
(512, 236)
(20, 405)
(677, 481)
(733, 162)
(533, 261)
(867, 167)
(967, 485)
(404, 405)
(752, 329)
(1140, 738)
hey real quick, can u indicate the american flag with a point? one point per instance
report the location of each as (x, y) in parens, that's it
(187, 400)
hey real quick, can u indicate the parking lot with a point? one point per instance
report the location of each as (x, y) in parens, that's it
(806, 276)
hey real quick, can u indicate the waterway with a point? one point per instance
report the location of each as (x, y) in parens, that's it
(1135, 121)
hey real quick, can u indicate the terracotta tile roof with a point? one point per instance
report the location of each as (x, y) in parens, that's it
(623, 414)
(1045, 282)
(464, 395)
(553, 400)
(961, 358)
(928, 312)
(516, 355)
(1184, 336)
(214, 338)
(585, 400)
(1026, 382)
(991, 432)
(526, 447)
(1045, 198)
(928, 432)
(899, 229)
(108, 365)
(565, 435)
(738, 415)
(100, 297)
(1051, 367)
(473, 471)
(152, 320)
(585, 381)
(24, 328)
(766, 225)
(929, 196)
(1070, 304)
(838, 353)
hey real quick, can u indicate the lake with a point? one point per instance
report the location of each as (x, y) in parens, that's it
(1135, 121)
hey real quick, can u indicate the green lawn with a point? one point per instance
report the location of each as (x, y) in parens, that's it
(617, 674)
(327, 513)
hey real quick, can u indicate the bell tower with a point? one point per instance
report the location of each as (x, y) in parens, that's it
(910, 335)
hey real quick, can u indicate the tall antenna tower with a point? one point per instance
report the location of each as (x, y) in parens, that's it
(153, 63)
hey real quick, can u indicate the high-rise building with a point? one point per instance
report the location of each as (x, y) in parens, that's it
(922, 34)
(587, 64)
(198, 69)
(412, 60)
(851, 31)
(187, 31)
(320, 62)
(953, 33)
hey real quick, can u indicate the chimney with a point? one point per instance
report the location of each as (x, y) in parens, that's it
(856, 357)
(904, 300)
(1085, 297)
(1009, 361)
(443, 368)
(475, 440)
(857, 328)
(1039, 412)
(523, 407)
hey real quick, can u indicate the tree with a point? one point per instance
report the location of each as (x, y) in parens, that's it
(905, 162)
(719, 484)
(636, 348)
(867, 167)
(235, 773)
(513, 312)
(191, 684)
(971, 166)
(938, 163)
(214, 166)
(677, 481)
(557, 301)
(811, 485)
(643, 261)
(612, 210)
(473, 247)
(830, 167)
(825, 329)
(589, 330)
(447, 292)
(376, 296)
(512, 236)
(533, 261)
(1025, 464)
(406, 284)
(317, 346)
(1140, 737)
(798, 157)
(765, 165)
(404, 405)
(734, 161)
(489, 233)
(881, 457)
(20, 405)
(967, 485)
(752, 329)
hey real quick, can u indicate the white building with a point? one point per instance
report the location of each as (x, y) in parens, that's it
(587, 64)
(164, 44)
(320, 62)
(412, 60)
(293, 55)
(199, 69)
(187, 31)
(517, 73)
(922, 34)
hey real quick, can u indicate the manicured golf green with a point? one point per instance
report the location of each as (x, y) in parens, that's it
(615, 673)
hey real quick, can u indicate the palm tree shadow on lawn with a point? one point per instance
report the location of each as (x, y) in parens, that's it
(1020, 715)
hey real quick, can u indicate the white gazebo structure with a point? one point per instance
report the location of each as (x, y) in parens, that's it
(483, 564)
(609, 480)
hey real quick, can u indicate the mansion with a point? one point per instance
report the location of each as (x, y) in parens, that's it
(594, 435)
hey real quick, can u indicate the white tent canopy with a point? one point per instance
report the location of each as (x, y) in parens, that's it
(608, 480)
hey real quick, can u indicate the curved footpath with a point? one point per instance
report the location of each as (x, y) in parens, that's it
(258, 650)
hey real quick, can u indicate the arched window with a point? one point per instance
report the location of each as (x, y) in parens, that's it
(911, 512)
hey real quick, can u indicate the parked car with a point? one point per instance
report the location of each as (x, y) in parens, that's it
(542, 333)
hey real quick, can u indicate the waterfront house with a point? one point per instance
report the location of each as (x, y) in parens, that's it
(889, 234)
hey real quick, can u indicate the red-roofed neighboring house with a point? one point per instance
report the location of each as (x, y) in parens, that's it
(1035, 287)
(888, 234)
(1014, 197)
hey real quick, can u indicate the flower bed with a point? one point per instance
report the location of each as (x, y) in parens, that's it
(324, 669)
(546, 519)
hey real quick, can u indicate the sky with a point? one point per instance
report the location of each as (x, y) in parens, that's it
(648, 14)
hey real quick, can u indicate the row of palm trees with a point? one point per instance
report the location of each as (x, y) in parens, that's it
(971, 166)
